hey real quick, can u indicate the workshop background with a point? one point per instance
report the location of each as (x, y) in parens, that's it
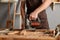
(52, 15)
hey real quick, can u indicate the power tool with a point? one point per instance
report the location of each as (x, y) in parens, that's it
(32, 23)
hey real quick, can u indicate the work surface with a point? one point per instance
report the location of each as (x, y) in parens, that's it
(27, 35)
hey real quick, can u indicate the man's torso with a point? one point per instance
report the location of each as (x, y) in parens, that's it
(33, 4)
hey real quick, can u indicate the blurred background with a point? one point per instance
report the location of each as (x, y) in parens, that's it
(52, 15)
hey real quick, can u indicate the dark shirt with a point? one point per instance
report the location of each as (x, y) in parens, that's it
(32, 5)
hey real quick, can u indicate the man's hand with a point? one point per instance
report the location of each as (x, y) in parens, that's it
(42, 7)
(33, 16)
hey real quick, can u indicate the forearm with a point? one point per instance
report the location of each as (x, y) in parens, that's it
(43, 6)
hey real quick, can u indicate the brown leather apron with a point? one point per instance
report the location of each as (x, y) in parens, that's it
(31, 6)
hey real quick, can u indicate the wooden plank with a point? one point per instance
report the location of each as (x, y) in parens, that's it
(13, 33)
(58, 38)
(0, 38)
(28, 36)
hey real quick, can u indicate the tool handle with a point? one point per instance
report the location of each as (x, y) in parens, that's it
(37, 20)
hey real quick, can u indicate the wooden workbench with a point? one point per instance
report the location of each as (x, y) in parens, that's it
(58, 38)
(16, 35)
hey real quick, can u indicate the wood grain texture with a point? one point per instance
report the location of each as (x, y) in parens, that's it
(27, 35)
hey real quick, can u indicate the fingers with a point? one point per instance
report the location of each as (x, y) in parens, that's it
(32, 18)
